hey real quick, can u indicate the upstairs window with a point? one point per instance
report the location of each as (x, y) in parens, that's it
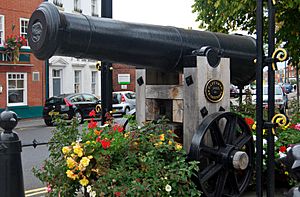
(94, 4)
(23, 28)
(77, 7)
(2, 36)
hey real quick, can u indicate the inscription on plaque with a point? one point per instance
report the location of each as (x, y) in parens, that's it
(214, 91)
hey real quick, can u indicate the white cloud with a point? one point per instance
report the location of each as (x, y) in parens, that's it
(176, 13)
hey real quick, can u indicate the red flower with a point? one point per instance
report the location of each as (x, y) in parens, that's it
(249, 121)
(92, 124)
(98, 139)
(118, 128)
(282, 149)
(105, 144)
(117, 193)
(92, 113)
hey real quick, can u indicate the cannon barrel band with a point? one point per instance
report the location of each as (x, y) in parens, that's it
(52, 32)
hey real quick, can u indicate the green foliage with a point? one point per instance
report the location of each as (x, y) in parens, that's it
(224, 16)
(107, 161)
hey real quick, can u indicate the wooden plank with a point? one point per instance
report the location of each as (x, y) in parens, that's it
(164, 91)
(178, 111)
(194, 96)
(140, 97)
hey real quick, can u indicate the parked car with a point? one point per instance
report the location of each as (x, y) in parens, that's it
(71, 105)
(233, 91)
(281, 99)
(123, 102)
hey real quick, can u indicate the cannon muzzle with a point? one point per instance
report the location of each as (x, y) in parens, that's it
(52, 32)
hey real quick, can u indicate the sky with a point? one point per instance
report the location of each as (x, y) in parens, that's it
(176, 13)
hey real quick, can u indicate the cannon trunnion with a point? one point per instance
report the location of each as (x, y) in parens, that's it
(148, 46)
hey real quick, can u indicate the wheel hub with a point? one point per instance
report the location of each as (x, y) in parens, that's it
(240, 160)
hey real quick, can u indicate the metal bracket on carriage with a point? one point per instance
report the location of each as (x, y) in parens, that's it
(212, 54)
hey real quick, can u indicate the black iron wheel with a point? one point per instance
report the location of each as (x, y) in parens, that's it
(223, 145)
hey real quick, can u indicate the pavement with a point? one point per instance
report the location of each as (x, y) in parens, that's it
(30, 122)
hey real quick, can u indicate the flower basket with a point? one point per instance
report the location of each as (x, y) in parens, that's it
(12, 47)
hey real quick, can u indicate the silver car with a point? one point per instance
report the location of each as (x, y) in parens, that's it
(123, 102)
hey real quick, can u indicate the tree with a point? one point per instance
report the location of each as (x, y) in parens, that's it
(224, 16)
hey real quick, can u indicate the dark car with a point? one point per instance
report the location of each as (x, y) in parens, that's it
(71, 105)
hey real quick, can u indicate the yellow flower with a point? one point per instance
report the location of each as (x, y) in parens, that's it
(84, 161)
(84, 181)
(81, 167)
(286, 172)
(170, 142)
(78, 150)
(66, 150)
(71, 163)
(254, 126)
(135, 143)
(71, 175)
(158, 144)
(264, 131)
(162, 137)
(87, 142)
(178, 146)
(126, 135)
(90, 157)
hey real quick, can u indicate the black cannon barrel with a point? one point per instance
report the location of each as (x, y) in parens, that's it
(149, 46)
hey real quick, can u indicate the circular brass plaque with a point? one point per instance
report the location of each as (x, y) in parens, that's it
(214, 91)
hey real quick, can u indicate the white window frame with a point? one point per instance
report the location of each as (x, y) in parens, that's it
(77, 6)
(2, 29)
(77, 82)
(94, 4)
(25, 89)
(94, 82)
(37, 74)
(24, 33)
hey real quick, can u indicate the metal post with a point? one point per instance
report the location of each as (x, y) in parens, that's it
(11, 179)
(259, 98)
(271, 101)
(106, 69)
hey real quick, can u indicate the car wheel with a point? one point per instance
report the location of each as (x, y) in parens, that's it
(78, 116)
(48, 122)
(126, 110)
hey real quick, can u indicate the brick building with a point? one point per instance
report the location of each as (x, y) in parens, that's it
(22, 80)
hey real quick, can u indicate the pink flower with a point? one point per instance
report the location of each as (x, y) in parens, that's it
(297, 126)
(49, 188)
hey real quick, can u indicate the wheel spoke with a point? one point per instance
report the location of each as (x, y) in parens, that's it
(222, 178)
(216, 135)
(209, 152)
(209, 172)
(230, 129)
(242, 140)
(232, 179)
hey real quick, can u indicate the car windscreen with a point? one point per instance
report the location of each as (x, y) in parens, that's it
(116, 99)
(277, 90)
(54, 101)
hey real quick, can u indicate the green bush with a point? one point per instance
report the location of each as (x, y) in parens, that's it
(107, 161)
